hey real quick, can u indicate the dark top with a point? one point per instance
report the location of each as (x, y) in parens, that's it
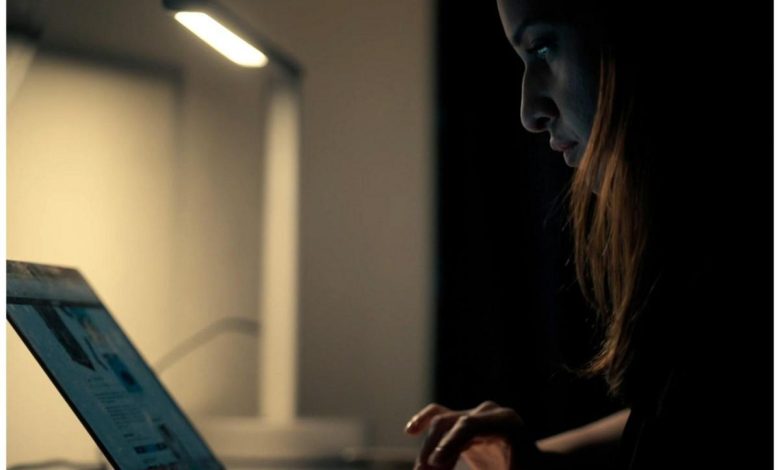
(712, 407)
(684, 429)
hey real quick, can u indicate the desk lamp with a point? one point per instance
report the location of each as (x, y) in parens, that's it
(278, 434)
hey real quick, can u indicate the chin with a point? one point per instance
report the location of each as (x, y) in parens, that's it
(572, 161)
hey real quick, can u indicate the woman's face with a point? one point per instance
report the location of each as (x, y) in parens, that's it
(560, 82)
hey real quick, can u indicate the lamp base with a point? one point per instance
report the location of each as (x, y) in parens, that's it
(254, 439)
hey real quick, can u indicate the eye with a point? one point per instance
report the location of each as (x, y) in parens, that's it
(540, 49)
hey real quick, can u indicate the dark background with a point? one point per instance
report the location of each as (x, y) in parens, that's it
(509, 311)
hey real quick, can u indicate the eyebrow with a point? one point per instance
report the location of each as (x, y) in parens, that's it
(517, 35)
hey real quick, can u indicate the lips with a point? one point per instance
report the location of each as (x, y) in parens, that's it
(561, 146)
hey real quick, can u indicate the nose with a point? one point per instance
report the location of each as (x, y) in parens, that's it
(537, 109)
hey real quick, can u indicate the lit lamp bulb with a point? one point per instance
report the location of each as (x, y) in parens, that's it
(221, 39)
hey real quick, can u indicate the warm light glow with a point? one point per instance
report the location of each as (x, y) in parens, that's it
(221, 39)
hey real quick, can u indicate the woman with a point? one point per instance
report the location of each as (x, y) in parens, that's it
(615, 88)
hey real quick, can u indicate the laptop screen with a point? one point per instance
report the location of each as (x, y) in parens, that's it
(100, 374)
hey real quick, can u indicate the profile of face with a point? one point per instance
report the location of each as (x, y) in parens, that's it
(560, 81)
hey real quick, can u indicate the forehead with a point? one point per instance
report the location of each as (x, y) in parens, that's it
(516, 13)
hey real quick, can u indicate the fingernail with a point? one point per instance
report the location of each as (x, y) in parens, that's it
(410, 425)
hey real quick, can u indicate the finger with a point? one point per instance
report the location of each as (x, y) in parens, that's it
(502, 422)
(493, 451)
(420, 421)
(485, 406)
(439, 426)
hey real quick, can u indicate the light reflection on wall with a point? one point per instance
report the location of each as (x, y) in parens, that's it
(149, 183)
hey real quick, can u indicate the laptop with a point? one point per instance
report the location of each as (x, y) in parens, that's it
(95, 367)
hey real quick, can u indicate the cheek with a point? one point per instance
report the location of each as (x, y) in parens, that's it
(577, 83)
(577, 99)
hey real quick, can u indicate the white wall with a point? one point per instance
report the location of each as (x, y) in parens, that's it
(149, 183)
(217, 237)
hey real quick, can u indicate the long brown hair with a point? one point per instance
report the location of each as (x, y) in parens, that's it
(611, 228)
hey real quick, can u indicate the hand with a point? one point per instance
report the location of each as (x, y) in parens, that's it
(487, 437)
